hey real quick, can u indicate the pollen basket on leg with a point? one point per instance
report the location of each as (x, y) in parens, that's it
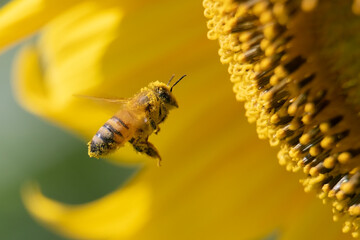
(292, 95)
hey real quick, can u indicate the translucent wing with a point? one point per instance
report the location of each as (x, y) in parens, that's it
(100, 99)
(109, 105)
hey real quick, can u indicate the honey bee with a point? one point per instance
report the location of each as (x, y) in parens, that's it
(137, 119)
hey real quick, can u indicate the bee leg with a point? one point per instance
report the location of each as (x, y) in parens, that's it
(147, 148)
(153, 152)
(154, 126)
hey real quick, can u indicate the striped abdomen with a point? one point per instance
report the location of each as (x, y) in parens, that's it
(113, 134)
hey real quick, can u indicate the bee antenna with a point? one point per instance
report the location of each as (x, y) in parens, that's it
(176, 82)
(170, 80)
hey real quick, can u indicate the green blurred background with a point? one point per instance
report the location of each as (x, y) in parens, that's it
(33, 149)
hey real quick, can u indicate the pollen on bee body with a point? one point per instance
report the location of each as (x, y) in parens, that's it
(94, 148)
(100, 144)
(136, 120)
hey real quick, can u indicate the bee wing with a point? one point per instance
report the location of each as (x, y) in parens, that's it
(111, 105)
(100, 99)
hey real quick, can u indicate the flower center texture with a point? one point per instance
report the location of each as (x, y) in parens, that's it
(295, 65)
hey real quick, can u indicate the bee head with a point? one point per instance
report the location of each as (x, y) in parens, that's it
(164, 92)
(166, 97)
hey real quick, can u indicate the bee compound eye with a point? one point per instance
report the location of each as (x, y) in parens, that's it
(164, 96)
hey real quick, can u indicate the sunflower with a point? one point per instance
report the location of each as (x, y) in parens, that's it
(217, 180)
(295, 64)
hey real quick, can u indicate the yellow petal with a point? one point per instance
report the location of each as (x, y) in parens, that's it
(133, 204)
(20, 18)
(29, 83)
(205, 188)
(86, 31)
(94, 63)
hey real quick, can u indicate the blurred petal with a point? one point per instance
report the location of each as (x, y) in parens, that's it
(131, 210)
(209, 192)
(105, 58)
(86, 31)
(29, 82)
(51, 66)
(20, 18)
